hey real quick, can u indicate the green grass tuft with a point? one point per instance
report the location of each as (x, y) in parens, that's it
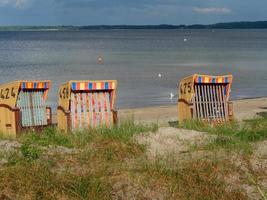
(233, 135)
(30, 152)
(49, 136)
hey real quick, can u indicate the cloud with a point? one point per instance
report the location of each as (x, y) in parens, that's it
(212, 10)
(15, 3)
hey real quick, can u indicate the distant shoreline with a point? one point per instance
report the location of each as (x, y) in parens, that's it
(227, 25)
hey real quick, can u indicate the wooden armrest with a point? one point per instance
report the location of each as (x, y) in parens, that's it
(63, 110)
(230, 110)
(49, 115)
(115, 116)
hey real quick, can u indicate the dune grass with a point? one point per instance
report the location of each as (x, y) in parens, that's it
(108, 164)
(195, 179)
(233, 135)
(98, 154)
(51, 136)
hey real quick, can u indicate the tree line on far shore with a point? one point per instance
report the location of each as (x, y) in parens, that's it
(227, 25)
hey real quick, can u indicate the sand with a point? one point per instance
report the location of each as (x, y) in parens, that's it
(243, 109)
(170, 141)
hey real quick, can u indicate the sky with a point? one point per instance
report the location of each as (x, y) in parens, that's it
(132, 12)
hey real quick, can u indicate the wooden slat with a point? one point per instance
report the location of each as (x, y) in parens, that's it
(82, 111)
(31, 109)
(87, 110)
(76, 118)
(222, 103)
(106, 109)
(110, 117)
(94, 105)
(211, 102)
(72, 110)
(194, 105)
(197, 102)
(103, 122)
(43, 107)
(39, 108)
(91, 110)
(218, 103)
(202, 102)
(35, 108)
(26, 110)
(85, 125)
(225, 104)
(99, 109)
(207, 102)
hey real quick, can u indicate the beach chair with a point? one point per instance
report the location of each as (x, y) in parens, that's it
(86, 104)
(23, 106)
(204, 97)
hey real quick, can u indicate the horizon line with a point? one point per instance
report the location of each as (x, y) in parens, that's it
(174, 25)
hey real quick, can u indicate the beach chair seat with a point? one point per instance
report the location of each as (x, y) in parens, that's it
(204, 97)
(23, 106)
(87, 104)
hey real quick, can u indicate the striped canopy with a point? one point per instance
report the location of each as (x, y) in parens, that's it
(213, 79)
(94, 85)
(35, 85)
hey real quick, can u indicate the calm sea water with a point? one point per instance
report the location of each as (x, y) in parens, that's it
(135, 58)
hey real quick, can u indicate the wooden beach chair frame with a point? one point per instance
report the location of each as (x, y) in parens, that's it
(85, 104)
(14, 113)
(206, 98)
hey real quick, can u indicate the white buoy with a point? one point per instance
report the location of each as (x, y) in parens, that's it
(100, 60)
(159, 75)
(185, 39)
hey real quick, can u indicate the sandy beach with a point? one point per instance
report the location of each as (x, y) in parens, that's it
(243, 109)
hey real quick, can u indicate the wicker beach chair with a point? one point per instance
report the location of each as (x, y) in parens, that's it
(204, 97)
(23, 106)
(86, 104)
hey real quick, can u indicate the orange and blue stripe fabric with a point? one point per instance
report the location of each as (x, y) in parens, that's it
(212, 79)
(93, 85)
(35, 85)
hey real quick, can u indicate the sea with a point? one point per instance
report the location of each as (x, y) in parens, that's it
(148, 64)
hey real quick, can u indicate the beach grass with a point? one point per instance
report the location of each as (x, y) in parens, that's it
(233, 135)
(110, 164)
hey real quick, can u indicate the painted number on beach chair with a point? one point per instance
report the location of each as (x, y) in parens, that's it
(186, 88)
(6, 93)
(64, 93)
